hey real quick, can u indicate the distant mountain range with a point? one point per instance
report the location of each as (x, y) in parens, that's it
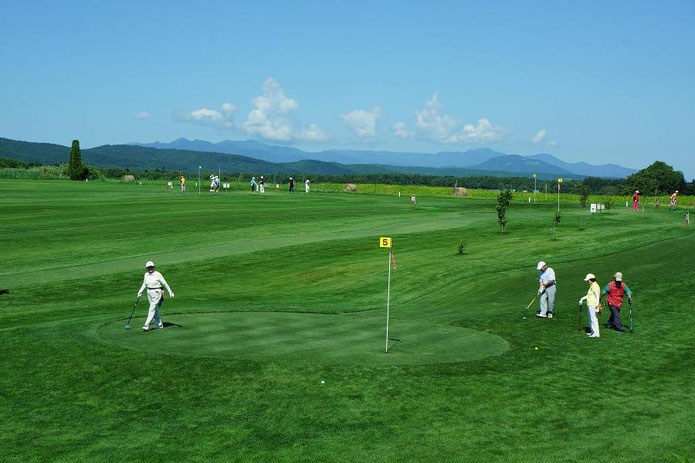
(477, 159)
(260, 158)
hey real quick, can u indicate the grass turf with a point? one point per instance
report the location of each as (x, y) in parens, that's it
(306, 271)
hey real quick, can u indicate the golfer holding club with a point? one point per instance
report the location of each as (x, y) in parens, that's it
(546, 290)
(153, 282)
(592, 298)
(616, 290)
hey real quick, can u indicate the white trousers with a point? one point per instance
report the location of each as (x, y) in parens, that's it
(156, 299)
(306, 188)
(548, 301)
(593, 320)
(261, 188)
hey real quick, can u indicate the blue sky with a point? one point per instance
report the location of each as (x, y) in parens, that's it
(593, 81)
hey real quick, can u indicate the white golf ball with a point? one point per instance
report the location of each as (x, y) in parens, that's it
(536, 348)
(524, 318)
(323, 382)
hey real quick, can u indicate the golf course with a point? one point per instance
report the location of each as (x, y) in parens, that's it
(273, 348)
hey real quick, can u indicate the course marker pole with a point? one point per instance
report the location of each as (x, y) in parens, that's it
(559, 181)
(386, 242)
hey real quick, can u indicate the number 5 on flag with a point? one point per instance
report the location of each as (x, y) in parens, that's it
(384, 242)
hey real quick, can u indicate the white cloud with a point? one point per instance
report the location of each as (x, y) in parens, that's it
(432, 124)
(401, 130)
(312, 132)
(207, 116)
(484, 131)
(363, 123)
(538, 137)
(273, 117)
(143, 115)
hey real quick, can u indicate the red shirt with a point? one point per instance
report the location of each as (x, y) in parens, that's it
(615, 294)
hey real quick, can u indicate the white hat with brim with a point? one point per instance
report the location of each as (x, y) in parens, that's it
(618, 276)
(149, 264)
(541, 264)
(590, 276)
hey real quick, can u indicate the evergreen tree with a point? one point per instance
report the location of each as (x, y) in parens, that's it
(76, 170)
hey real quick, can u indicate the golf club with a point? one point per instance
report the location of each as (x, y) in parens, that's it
(127, 325)
(630, 306)
(579, 319)
(529, 304)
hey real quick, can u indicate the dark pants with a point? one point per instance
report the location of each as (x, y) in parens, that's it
(614, 321)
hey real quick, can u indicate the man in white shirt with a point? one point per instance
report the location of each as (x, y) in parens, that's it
(153, 282)
(306, 186)
(546, 290)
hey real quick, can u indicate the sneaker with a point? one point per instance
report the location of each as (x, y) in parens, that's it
(592, 335)
(145, 328)
(161, 325)
(541, 315)
(550, 315)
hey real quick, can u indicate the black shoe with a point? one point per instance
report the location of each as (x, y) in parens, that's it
(608, 325)
(621, 329)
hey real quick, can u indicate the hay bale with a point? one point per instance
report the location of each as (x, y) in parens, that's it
(128, 178)
(459, 191)
(350, 187)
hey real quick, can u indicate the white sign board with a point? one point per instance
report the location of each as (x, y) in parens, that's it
(593, 208)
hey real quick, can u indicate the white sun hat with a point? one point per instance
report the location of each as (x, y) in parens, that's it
(590, 276)
(541, 264)
(618, 276)
(149, 264)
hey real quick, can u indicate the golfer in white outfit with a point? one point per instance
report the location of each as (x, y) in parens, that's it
(153, 282)
(306, 186)
(546, 290)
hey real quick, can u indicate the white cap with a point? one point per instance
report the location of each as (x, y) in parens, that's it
(590, 276)
(149, 264)
(636, 191)
(618, 276)
(541, 264)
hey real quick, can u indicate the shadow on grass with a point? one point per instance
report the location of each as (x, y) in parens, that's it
(168, 325)
(4, 291)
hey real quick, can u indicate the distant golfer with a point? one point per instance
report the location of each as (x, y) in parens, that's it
(672, 201)
(546, 290)
(153, 282)
(616, 291)
(592, 298)
(306, 186)
(253, 184)
(635, 201)
(291, 185)
(183, 183)
(261, 185)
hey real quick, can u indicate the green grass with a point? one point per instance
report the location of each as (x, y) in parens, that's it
(278, 293)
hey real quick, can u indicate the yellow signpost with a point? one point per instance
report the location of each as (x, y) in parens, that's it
(386, 242)
(559, 181)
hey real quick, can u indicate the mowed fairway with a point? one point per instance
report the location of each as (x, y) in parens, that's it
(273, 347)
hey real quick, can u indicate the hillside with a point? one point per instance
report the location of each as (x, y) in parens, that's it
(144, 158)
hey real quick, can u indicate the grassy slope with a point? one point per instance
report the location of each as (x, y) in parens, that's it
(72, 257)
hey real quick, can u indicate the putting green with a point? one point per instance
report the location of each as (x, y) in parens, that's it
(303, 337)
